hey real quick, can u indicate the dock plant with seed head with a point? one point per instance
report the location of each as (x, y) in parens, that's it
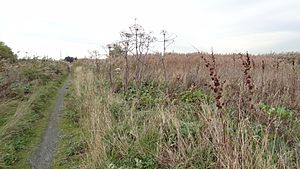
(248, 79)
(216, 84)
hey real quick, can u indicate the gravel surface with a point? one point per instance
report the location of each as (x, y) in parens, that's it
(43, 156)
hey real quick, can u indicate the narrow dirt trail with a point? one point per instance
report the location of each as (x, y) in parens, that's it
(43, 156)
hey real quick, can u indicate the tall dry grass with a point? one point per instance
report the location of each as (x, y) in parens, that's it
(122, 132)
(279, 81)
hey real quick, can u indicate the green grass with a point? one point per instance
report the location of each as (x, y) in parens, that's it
(20, 139)
(7, 109)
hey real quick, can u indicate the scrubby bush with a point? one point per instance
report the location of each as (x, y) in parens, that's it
(7, 53)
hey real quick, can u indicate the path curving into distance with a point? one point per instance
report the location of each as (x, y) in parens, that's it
(43, 156)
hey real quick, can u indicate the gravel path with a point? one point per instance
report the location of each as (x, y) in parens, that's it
(43, 156)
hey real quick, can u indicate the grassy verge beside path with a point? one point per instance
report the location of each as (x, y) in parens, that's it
(23, 122)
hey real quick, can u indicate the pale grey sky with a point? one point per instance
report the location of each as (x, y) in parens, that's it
(46, 27)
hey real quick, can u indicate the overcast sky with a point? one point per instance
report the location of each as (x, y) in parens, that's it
(72, 27)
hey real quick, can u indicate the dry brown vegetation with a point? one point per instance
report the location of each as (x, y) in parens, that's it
(275, 78)
(212, 111)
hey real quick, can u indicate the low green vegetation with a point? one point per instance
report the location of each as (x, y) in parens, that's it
(6, 110)
(279, 111)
